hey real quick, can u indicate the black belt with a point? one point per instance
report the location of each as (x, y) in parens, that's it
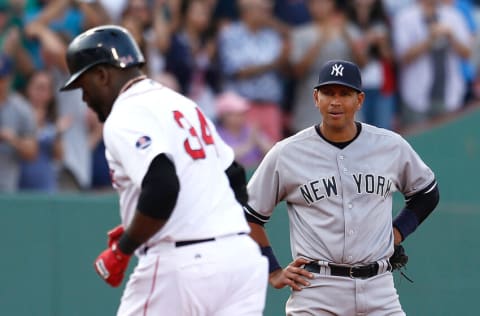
(181, 244)
(189, 242)
(361, 272)
(197, 241)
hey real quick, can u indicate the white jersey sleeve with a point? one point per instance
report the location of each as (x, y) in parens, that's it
(134, 143)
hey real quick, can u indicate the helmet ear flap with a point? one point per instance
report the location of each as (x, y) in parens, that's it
(107, 44)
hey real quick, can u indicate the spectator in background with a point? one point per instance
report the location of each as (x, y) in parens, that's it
(430, 40)
(252, 56)
(249, 144)
(113, 8)
(392, 7)
(476, 52)
(292, 12)
(326, 37)
(467, 9)
(66, 18)
(17, 130)
(169, 10)
(51, 28)
(163, 21)
(370, 22)
(141, 11)
(168, 80)
(138, 18)
(225, 13)
(11, 43)
(191, 55)
(101, 180)
(41, 173)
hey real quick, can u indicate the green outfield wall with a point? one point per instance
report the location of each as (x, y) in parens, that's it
(48, 243)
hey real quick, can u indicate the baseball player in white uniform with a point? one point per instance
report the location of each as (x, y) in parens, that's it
(337, 179)
(178, 186)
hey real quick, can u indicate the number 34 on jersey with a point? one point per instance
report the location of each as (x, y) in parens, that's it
(195, 143)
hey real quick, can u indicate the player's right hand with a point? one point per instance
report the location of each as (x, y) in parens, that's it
(293, 275)
(111, 265)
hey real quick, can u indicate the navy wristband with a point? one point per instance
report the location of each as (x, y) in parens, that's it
(406, 222)
(272, 261)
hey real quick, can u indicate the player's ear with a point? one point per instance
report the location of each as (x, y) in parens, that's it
(102, 76)
(315, 97)
(360, 99)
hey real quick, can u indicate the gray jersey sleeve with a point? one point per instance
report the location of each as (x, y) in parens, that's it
(263, 188)
(414, 174)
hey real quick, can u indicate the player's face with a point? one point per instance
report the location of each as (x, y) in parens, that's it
(338, 105)
(91, 94)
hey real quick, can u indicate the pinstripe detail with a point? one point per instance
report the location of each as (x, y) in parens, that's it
(152, 289)
(381, 267)
(324, 266)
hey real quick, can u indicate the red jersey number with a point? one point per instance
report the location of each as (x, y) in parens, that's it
(194, 144)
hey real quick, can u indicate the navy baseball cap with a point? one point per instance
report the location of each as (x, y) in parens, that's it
(340, 72)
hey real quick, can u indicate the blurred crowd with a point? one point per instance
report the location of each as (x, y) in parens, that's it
(251, 65)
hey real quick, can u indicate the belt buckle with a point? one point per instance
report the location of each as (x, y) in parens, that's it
(350, 272)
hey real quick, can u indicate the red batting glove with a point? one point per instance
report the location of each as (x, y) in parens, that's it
(111, 265)
(114, 235)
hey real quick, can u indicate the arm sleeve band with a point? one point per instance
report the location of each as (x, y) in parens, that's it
(238, 182)
(417, 209)
(254, 217)
(160, 188)
(272, 260)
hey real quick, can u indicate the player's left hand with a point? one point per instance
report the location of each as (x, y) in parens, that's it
(114, 234)
(293, 275)
(399, 259)
(111, 265)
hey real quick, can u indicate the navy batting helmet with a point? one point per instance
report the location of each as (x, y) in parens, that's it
(107, 44)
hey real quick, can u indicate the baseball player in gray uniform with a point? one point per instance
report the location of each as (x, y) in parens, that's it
(337, 179)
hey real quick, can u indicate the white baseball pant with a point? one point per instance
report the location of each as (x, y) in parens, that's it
(225, 277)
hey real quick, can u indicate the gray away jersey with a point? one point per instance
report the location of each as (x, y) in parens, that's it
(339, 201)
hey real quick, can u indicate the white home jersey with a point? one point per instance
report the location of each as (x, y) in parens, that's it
(149, 119)
(339, 200)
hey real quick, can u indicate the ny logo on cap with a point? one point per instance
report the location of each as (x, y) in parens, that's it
(337, 70)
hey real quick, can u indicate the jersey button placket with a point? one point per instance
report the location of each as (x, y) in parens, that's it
(346, 207)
